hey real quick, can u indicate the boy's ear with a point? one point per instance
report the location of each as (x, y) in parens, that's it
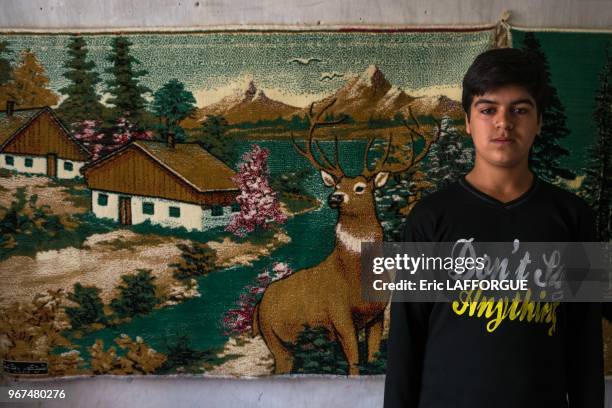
(468, 129)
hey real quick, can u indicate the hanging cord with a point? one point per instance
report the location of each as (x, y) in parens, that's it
(502, 37)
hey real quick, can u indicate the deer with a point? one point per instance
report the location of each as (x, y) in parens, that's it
(328, 295)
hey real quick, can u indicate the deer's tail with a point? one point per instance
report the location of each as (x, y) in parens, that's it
(255, 330)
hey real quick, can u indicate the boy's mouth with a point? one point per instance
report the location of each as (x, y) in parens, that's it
(502, 140)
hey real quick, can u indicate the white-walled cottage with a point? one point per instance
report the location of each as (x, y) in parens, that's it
(179, 185)
(35, 141)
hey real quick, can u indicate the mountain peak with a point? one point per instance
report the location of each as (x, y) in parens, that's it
(372, 76)
(249, 90)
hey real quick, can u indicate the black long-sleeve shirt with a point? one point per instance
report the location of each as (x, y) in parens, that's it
(439, 359)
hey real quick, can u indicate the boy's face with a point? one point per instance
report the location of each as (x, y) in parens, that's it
(503, 124)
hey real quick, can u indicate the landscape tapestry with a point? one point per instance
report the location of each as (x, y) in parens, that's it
(194, 202)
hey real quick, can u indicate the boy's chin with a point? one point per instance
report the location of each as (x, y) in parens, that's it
(506, 162)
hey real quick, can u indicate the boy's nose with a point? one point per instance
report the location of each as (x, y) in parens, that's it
(503, 121)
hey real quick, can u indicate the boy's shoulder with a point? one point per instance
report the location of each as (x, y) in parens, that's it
(437, 201)
(563, 197)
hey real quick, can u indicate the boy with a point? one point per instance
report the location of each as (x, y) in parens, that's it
(438, 358)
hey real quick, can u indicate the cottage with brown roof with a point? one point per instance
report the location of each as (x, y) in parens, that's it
(179, 185)
(35, 141)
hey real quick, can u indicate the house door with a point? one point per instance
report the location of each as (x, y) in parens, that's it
(125, 210)
(51, 165)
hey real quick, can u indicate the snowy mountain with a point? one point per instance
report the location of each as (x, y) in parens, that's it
(246, 104)
(364, 96)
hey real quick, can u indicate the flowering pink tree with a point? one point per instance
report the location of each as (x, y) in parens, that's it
(100, 143)
(259, 205)
(240, 319)
(87, 133)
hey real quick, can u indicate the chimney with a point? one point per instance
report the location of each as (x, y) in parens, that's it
(10, 108)
(170, 139)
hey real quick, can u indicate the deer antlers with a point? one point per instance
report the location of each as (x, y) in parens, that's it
(315, 122)
(414, 158)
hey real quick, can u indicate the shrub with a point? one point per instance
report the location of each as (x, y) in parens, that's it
(90, 309)
(181, 357)
(139, 358)
(315, 353)
(24, 218)
(136, 294)
(196, 260)
(239, 320)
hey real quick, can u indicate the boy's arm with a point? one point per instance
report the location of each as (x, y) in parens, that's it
(405, 351)
(586, 384)
(408, 332)
(584, 350)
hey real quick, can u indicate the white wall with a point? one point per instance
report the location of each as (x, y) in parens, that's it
(192, 216)
(65, 174)
(210, 221)
(185, 13)
(110, 210)
(39, 164)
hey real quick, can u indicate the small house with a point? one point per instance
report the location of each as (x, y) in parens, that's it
(35, 141)
(173, 185)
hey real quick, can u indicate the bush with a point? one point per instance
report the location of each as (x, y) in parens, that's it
(137, 294)
(239, 320)
(315, 353)
(90, 309)
(25, 220)
(290, 182)
(138, 358)
(197, 260)
(181, 357)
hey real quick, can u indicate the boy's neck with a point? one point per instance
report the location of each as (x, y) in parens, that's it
(502, 183)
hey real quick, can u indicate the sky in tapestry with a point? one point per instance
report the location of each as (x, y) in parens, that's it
(212, 64)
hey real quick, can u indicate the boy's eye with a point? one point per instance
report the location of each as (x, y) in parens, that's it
(521, 111)
(487, 111)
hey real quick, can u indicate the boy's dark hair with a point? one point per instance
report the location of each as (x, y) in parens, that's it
(506, 66)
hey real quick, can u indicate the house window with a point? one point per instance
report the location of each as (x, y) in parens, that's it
(68, 166)
(148, 208)
(29, 162)
(103, 200)
(10, 160)
(235, 207)
(216, 210)
(175, 212)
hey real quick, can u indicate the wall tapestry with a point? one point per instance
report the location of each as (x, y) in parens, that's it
(166, 198)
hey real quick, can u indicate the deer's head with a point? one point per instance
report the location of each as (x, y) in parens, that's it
(355, 195)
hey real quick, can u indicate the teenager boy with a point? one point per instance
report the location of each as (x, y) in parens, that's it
(438, 358)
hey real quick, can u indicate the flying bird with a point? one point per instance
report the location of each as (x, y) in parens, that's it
(330, 75)
(305, 61)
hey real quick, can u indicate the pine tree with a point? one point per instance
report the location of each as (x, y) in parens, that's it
(214, 138)
(547, 154)
(5, 63)
(449, 158)
(83, 102)
(126, 92)
(29, 86)
(598, 180)
(172, 103)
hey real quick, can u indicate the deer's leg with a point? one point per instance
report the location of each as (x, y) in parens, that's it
(283, 360)
(374, 334)
(346, 334)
